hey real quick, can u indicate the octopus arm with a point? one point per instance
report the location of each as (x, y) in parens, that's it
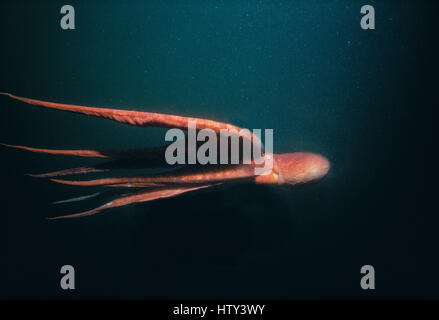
(137, 118)
(142, 196)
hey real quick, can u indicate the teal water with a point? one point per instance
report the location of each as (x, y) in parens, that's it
(303, 68)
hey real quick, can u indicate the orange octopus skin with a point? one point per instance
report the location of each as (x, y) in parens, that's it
(288, 168)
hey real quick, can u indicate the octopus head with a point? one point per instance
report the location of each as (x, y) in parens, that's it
(300, 167)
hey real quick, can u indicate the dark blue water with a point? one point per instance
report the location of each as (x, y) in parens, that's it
(303, 68)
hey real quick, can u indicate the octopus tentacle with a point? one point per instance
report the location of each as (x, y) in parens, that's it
(66, 172)
(142, 185)
(79, 153)
(143, 196)
(76, 199)
(106, 154)
(137, 118)
(176, 177)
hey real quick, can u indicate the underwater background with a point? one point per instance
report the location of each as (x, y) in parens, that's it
(303, 68)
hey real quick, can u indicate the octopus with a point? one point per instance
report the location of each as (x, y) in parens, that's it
(287, 169)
